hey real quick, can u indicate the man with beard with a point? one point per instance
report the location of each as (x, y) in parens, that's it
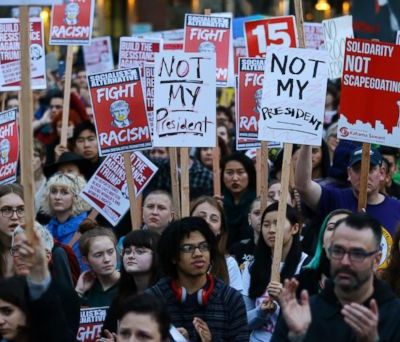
(354, 305)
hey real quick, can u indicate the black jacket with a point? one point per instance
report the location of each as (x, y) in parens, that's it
(328, 323)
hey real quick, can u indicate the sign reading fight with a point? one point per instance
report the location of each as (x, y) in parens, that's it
(90, 324)
(72, 22)
(98, 55)
(370, 99)
(8, 146)
(251, 76)
(10, 55)
(107, 190)
(336, 31)
(119, 111)
(314, 36)
(265, 32)
(184, 101)
(205, 33)
(293, 102)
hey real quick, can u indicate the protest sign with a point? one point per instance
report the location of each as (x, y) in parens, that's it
(107, 189)
(98, 55)
(212, 34)
(91, 323)
(9, 146)
(173, 45)
(239, 50)
(119, 111)
(184, 101)
(370, 97)
(272, 31)
(398, 38)
(10, 55)
(336, 31)
(29, 2)
(314, 36)
(149, 91)
(293, 101)
(134, 52)
(72, 23)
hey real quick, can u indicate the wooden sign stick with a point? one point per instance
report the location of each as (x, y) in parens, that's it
(25, 121)
(93, 214)
(263, 178)
(185, 190)
(173, 163)
(67, 94)
(134, 206)
(362, 196)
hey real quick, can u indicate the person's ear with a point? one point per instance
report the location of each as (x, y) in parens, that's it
(295, 229)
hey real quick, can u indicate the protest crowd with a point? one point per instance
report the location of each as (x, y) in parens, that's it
(160, 213)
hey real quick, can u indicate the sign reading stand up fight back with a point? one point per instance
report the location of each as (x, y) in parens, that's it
(8, 146)
(370, 96)
(119, 111)
(72, 22)
(293, 102)
(184, 100)
(10, 55)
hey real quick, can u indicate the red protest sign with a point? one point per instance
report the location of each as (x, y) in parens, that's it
(119, 111)
(10, 55)
(72, 22)
(272, 31)
(91, 323)
(8, 146)
(204, 33)
(173, 45)
(370, 97)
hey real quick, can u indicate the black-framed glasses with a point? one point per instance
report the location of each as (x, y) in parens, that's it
(355, 255)
(189, 248)
(9, 211)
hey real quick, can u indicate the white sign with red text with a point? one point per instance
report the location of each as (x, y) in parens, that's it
(314, 36)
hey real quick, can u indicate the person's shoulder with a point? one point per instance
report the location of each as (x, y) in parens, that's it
(160, 287)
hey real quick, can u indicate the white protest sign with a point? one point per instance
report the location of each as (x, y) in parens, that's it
(398, 38)
(107, 190)
(30, 2)
(314, 36)
(336, 31)
(293, 101)
(98, 55)
(184, 100)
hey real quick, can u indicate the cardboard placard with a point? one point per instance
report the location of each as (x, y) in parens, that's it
(293, 102)
(370, 100)
(314, 36)
(149, 91)
(269, 31)
(336, 31)
(107, 189)
(119, 111)
(91, 323)
(184, 101)
(239, 50)
(10, 55)
(72, 23)
(9, 146)
(98, 55)
(211, 34)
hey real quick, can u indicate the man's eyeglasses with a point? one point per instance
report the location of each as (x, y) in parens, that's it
(355, 255)
(189, 248)
(9, 211)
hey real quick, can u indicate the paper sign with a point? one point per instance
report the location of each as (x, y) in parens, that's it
(98, 55)
(314, 36)
(149, 91)
(107, 189)
(272, 31)
(398, 38)
(184, 100)
(29, 2)
(8, 146)
(119, 111)
(72, 23)
(293, 102)
(10, 55)
(213, 34)
(370, 97)
(173, 45)
(239, 50)
(336, 31)
(91, 323)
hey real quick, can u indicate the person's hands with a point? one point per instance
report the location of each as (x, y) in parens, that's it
(296, 314)
(46, 118)
(202, 329)
(274, 289)
(362, 320)
(85, 282)
(268, 306)
(59, 150)
(109, 337)
(184, 333)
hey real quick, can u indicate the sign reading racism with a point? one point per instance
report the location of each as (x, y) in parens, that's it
(98, 55)
(91, 323)
(370, 98)
(314, 36)
(72, 22)
(213, 34)
(184, 101)
(8, 146)
(119, 111)
(336, 31)
(272, 31)
(107, 190)
(293, 102)
(10, 55)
